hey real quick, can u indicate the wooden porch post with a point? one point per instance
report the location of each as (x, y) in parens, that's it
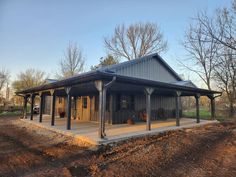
(212, 107)
(41, 107)
(25, 107)
(99, 86)
(53, 103)
(197, 107)
(111, 108)
(148, 92)
(104, 101)
(68, 89)
(177, 104)
(32, 107)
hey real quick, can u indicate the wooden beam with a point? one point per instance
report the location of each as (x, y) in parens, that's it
(213, 108)
(111, 108)
(41, 107)
(25, 107)
(53, 104)
(104, 102)
(68, 89)
(148, 91)
(99, 86)
(32, 107)
(197, 107)
(177, 105)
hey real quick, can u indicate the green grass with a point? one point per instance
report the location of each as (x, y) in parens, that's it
(204, 114)
(8, 113)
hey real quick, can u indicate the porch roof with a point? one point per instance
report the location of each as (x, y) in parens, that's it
(107, 76)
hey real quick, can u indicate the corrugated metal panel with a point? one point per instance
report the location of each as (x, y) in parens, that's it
(150, 69)
(157, 103)
(47, 105)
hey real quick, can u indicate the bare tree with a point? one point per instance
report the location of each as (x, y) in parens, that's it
(4, 77)
(225, 76)
(136, 41)
(221, 27)
(29, 78)
(72, 63)
(201, 54)
(220, 30)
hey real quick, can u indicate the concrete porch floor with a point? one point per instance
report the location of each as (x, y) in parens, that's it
(88, 131)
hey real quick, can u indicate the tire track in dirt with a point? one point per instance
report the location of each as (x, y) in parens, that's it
(203, 140)
(38, 159)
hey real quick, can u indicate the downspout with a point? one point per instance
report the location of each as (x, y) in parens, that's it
(106, 86)
(109, 84)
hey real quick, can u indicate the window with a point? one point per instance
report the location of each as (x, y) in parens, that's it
(125, 102)
(85, 102)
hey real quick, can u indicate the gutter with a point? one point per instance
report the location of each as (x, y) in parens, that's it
(109, 84)
(104, 93)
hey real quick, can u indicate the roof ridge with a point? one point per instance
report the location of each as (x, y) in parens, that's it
(136, 60)
(127, 62)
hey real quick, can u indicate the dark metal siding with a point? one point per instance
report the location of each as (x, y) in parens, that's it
(150, 69)
(47, 105)
(157, 103)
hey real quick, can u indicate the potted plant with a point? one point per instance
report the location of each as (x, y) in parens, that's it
(62, 114)
(130, 121)
(143, 115)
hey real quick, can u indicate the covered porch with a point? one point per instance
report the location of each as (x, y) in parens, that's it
(86, 131)
(104, 86)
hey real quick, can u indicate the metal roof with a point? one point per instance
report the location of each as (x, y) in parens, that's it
(155, 56)
(185, 83)
(51, 80)
(97, 75)
(106, 73)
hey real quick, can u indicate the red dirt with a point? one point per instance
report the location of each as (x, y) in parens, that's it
(208, 151)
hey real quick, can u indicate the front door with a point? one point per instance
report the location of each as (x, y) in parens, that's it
(83, 108)
(86, 108)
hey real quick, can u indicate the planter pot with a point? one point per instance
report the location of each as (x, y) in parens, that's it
(130, 121)
(62, 114)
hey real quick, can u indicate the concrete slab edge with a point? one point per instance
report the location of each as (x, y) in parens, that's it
(118, 138)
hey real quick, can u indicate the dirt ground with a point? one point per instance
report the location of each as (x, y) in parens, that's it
(208, 151)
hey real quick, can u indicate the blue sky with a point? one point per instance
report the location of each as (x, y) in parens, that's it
(34, 34)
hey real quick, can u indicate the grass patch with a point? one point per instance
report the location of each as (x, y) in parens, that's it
(204, 114)
(10, 113)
